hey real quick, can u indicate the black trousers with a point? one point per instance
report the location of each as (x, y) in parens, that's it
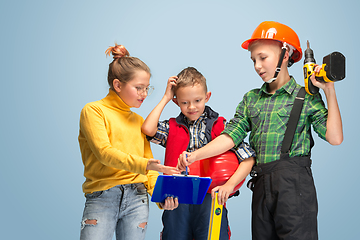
(284, 204)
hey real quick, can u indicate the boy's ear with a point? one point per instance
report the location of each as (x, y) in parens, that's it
(285, 59)
(286, 56)
(207, 97)
(175, 101)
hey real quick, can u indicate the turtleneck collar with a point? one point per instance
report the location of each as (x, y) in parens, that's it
(115, 101)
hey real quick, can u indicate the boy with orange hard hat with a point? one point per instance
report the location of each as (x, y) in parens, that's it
(196, 125)
(284, 204)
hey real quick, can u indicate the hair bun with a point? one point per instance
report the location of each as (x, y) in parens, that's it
(117, 51)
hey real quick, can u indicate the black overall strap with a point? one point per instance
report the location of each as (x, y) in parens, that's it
(286, 144)
(293, 121)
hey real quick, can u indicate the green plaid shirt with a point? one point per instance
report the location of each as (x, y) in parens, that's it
(266, 116)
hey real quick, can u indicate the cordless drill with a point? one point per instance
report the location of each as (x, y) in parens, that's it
(333, 69)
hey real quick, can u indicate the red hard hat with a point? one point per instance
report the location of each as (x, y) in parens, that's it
(276, 31)
(219, 168)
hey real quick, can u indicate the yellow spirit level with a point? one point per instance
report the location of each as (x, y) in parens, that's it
(215, 219)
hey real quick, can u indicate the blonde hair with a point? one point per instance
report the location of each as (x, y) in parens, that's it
(189, 77)
(123, 67)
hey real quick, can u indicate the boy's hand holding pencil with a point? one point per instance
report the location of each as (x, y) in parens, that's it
(185, 159)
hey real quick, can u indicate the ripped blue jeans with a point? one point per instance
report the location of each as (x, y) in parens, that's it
(123, 209)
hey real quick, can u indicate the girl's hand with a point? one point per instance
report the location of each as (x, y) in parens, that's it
(170, 203)
(224, 192)
(169, 92)
(322, 85)
(154, 164)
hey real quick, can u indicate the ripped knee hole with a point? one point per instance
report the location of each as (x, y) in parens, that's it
(91, 221)
(142, 225)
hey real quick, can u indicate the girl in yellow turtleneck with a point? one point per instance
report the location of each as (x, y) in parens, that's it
(118, 164)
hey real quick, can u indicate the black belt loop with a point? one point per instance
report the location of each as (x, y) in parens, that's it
(255, 171)
(253, 174)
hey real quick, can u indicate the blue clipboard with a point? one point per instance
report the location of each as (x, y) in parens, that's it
(188, 189)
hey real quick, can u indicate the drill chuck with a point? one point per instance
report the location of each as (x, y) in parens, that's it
(309, 54)
(309, 63)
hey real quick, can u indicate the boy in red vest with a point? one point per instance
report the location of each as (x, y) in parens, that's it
(196, 125)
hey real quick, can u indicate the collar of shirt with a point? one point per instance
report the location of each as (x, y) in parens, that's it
(288, 87)
(197, 132)
(197, 121)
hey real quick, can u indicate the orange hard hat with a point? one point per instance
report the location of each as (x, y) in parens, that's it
(219, 168)
(280, 32)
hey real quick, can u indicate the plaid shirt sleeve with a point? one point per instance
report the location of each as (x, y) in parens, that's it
(239, 125)
(162, 133)
(318, 115)
(243, 151)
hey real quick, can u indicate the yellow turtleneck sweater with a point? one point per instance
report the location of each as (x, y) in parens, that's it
(113, 148)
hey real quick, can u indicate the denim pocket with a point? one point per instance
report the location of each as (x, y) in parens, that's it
(141, 189)
(94, 195)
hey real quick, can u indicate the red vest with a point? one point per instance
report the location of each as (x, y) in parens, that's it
(179, 138)
(223, 165)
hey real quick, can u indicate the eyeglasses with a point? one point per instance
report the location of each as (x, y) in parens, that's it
(148, 90)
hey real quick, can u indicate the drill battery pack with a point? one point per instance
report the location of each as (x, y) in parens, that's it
(334, 66)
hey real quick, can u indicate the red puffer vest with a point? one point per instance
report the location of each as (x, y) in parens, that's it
(179, 137)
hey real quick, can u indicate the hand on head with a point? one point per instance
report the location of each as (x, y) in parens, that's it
(169, 92)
